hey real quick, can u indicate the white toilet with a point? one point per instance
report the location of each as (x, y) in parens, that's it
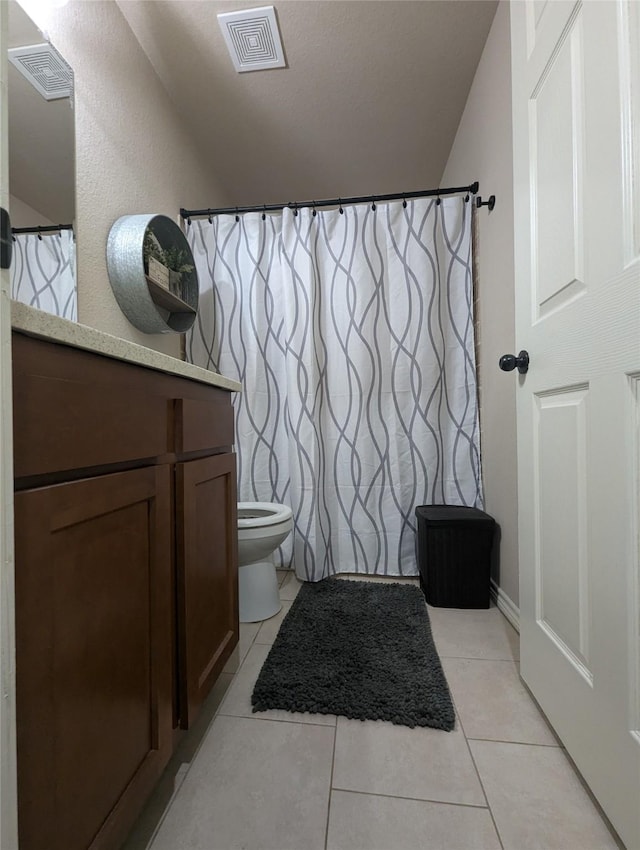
(262, 527)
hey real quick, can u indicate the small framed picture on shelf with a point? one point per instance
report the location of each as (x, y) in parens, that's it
(175, 282)
(158, 273)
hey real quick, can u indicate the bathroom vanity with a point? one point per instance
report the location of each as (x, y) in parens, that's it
(126, 571)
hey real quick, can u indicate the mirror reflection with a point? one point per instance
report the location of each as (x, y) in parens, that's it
(41, 169)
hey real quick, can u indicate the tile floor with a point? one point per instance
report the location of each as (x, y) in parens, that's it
(281, 781)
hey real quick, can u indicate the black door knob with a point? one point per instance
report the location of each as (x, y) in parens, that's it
(508, 362)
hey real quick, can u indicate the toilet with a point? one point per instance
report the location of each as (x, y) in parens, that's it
(262, 527)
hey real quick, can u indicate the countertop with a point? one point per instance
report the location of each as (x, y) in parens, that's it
(36, 323)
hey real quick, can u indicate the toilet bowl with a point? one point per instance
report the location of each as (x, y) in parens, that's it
(262, 527)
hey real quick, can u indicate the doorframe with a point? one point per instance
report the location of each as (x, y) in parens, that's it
(8, 771)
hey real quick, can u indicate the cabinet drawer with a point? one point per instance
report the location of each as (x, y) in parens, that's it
(203, 425)
(62, 425)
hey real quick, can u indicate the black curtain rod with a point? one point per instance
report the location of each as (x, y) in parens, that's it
(40, 228)
(333, 202)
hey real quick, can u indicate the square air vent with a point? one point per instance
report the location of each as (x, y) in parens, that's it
(45, 69)
(253, 39)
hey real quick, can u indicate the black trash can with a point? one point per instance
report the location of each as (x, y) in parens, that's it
(454, 555)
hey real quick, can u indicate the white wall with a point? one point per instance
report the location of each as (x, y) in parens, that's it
(482, 151)
(132, 153)
(22, 215)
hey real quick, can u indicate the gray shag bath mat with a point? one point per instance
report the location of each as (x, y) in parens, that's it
(358, 649)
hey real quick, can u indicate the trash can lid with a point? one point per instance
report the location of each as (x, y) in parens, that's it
(452, 513)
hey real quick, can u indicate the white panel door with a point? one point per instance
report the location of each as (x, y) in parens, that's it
(576, 90)
(8, 794)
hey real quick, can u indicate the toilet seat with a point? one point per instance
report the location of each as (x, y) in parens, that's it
(261, 514)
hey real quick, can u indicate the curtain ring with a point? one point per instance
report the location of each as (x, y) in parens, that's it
(373, 205)
(313, 212)
(189, 221)
(466, 198)
(237, 216)
(39, 236)
(209, 217)
(439, 200)
(340, 206)
(295, 209)
(404, 202)
(264, 212)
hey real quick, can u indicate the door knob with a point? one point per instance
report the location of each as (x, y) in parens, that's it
(508, 362)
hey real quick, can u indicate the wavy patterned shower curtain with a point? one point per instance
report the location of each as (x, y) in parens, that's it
(43, 272)
(353, 337)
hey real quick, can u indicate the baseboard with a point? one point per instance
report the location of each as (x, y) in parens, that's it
(506, 605)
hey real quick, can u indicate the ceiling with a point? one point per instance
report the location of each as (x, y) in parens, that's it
(369, 102)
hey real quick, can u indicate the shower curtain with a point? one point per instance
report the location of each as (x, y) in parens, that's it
(43, 272)
(352, 334)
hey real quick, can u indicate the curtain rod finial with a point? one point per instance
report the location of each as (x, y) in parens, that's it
(490, 203)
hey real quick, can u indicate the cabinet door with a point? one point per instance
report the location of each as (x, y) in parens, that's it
(93, 655)
(207, 538)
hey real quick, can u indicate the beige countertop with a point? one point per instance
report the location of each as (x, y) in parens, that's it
(36, 323)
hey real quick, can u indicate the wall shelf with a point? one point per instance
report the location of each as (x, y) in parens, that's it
(168, 300)
(148, 306)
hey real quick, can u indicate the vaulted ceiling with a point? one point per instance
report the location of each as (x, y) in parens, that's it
(369, 102)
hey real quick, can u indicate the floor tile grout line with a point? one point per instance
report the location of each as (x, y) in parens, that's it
(488, 660)
(476, 658)
(557, 744)
(493, 818)
(412, 799)
(240, 665)
(248, 650)
(475, 767)
(273, 720)
(234, 677)
(333, 762)
(254, 716)
(515, 743)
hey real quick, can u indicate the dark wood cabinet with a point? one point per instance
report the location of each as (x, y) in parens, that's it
(126, 582)
(207, 592)
(93, 596)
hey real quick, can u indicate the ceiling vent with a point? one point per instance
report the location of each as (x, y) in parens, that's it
(45, 69)
(253, 39)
